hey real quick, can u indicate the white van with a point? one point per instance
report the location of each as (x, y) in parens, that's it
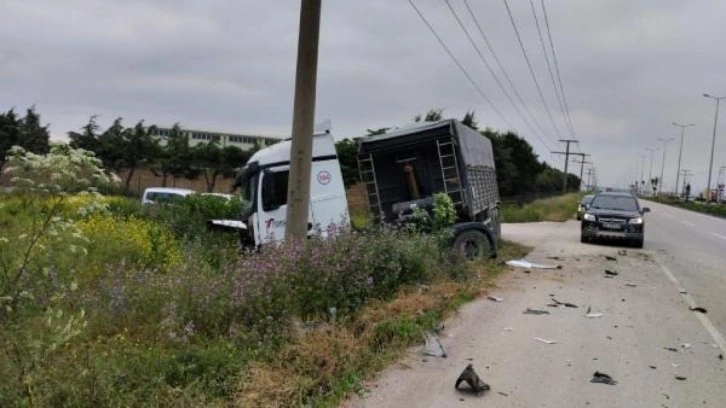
(163, 194)
(264, 180)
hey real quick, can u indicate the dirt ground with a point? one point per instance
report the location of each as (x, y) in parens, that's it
(646, 339)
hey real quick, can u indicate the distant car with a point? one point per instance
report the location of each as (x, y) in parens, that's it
(582, 207)
(164, 194)
(613, 215)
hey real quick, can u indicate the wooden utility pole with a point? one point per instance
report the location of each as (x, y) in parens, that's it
(582, 164)
(567, 159)
(301, 151)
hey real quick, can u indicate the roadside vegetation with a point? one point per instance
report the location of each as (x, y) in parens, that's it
(106, 303)
(716, 209)
(558, 209)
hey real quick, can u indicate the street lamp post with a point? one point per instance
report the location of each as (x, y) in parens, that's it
(713, 141)
(662, 165)
(650, 168)
(680, 153)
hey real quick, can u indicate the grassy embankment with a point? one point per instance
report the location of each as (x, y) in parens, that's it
(718, 210)
(559, 209)
(105, 304)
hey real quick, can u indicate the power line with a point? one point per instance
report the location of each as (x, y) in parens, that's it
(531, 71)
(503, 70)
(549, 68)
(557, 67)
(494, 75)
(458, 64)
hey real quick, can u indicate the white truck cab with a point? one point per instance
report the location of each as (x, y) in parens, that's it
(263, 181)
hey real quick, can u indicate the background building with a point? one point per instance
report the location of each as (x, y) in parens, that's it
(224, 139)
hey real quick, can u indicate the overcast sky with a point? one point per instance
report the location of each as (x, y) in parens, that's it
(628, 68)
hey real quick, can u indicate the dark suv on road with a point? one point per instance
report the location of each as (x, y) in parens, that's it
(614, 215)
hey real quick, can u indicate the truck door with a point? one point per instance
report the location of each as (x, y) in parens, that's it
(273, 205)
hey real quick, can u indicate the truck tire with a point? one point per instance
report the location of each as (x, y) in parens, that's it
(472, 244)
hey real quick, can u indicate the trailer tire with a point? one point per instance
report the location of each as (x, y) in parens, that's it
(473, 243)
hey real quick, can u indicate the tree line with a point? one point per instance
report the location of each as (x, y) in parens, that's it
(130, 148)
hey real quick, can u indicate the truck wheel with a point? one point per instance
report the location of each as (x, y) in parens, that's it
(473, 244)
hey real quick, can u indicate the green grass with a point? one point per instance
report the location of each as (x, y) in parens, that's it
(558, 209)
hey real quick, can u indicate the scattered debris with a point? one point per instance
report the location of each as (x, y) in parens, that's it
(565, 304)
(610, 258)
(683, 292)
(653, 367)
(439, 328)
(632, 285)
(555, 258)
(503, 393)
(523, 263)
(698, 309)
(611, 273)
(681, 378)
(495, 299)
(535, 312)
(622, 252)
(675, 365)
(508, 329)
(476, 385)
(434, 347)
(720, 356)
(545, 341)
(686, 345)
(673, 349)
(602, 378)
(593, 315)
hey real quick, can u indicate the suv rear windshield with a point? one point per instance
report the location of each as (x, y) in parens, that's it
(613, 202)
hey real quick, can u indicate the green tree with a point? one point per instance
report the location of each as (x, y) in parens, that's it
(26, 132)
(211, 161)
(175, 157)
(433, 115)
(348, 157)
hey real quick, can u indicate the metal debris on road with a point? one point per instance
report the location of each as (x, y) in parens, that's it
(554, 258)
(602, 378)
(434, 347)
(675, 365)
(610, 258)
(523, 263)
(593, 315)
(469, 376)
(611, 273)
(698, 309)
(503, 393)
(681, 378)
(622, 252)
(686, 345)
(495, 299)
(673, 349)
(632, 285)
(565, 304)
(720, 356)
(652, 367)
(683, 292)
(545, 341)
(535, 312)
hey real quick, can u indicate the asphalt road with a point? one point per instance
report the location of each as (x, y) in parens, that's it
(660, 352)
(692, 246)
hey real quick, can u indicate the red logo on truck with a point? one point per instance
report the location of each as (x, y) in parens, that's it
(324, 177)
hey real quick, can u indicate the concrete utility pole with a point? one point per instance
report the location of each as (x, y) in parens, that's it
(301, 151)
(650, 168)
(582, 163)
(662, 165)
(680, 153)
(567, 159)
(685, 173)
(713, 141)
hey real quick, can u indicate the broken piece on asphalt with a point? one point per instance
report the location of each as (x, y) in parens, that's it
(698, 309)
(565, 304)
(611, 273)
(495, 299)
(545, 341)
(681, 378)
(535, 312)
(434, 347)
(602, 378)
(469, 376)
(610, 258)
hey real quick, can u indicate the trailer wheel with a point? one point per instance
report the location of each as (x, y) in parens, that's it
(473, 244)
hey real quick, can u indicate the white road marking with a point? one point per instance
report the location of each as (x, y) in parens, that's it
(717, 235)
(688, 223)
(710, 328)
